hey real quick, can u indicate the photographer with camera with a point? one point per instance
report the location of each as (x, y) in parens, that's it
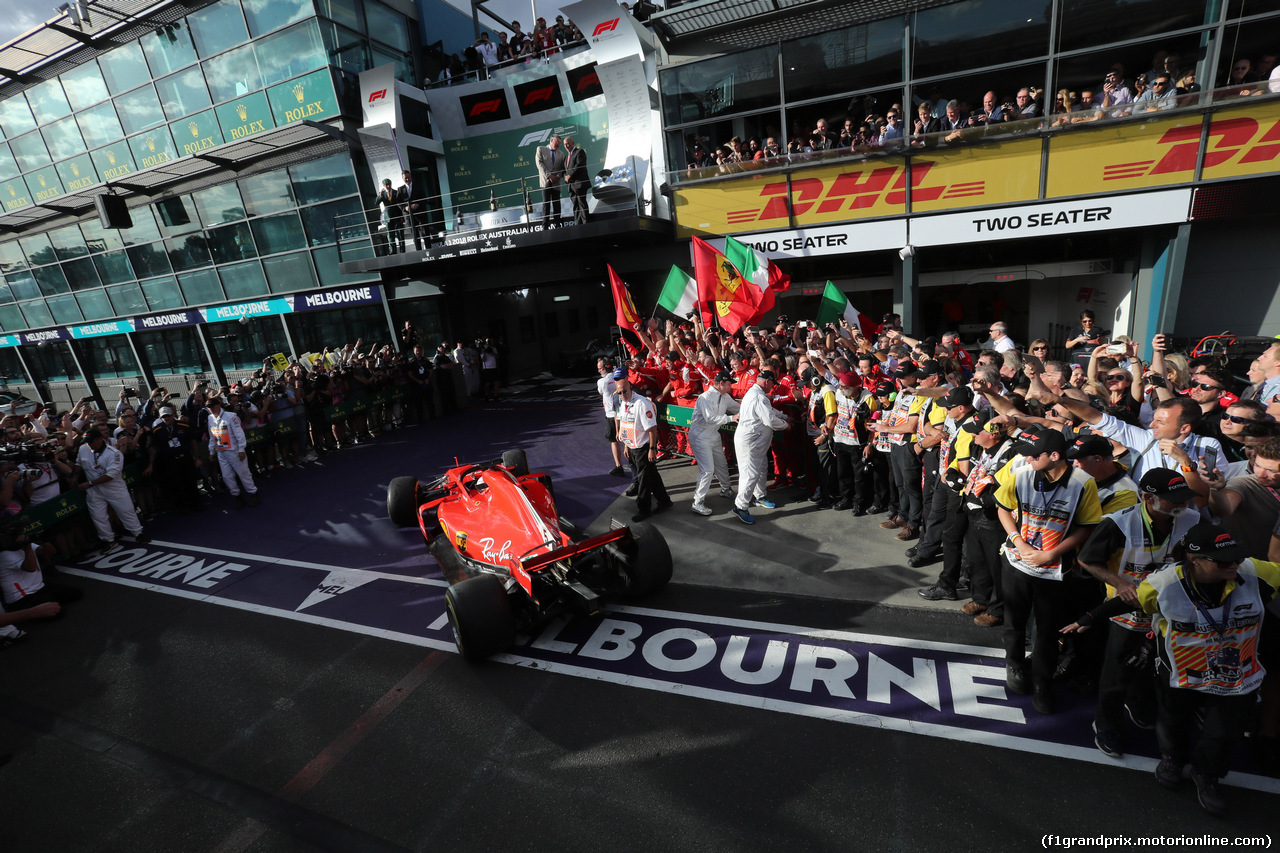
(104, 486)
(172, 462)
(21, 577)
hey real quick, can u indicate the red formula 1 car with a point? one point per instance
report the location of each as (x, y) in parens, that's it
(511, 561)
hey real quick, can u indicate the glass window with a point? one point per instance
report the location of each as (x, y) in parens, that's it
(1087, 71)
(200, 288)
(294, 51)
(1250, 50)
(112, 357)
(139, 110)
(81, 274)
(346, 12)
(94, 304)
(178, 348)
(38, 249)
(318, 220)
(320, 180)
(127, 299)
(168, 49)
(11, 258)
(64, 309)
(267, 15)
(100, 239)
(30, 152)
(287, 273)
(177, 215)
(15, 117)
(857, 57)
(1084, 24)
(726, 84)
(11, 318)
(243, 281)
(52, 363)
(113, 267)
(387, 26)
(348, 50)
(402, 61)
(326, 261)
(232, 243)
(188, 253)
(979, 33)
(278, 233)
(84, 86)
(64, 139)
(124, 68)
(68, 243)
(149, 260)
(8, 165)
(267, 193)
(218, 27)
(243, 345)
(6, 297)
(51, 280)
(22, 285)
(1238, 8)
(219, 204)
(233, 74)
(162, 293)
(100, 125)
(48, 101)
(144, 228)
(37, 313)
(183, 93)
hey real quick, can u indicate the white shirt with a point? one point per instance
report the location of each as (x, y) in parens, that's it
(635, 418)
(225, 432)
(1004, 344)
(607, 385)
(758, 416)
(712, 411)
(1146, 447)
(108, 463)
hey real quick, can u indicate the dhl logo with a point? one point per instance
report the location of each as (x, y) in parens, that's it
(852, 191)
(538, 95)
(587, 81)
(605, 27)
(1227, 139)
(486, 107)
(377, 96)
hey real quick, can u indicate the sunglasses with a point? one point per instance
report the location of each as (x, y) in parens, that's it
(1205, 387)
(1039, 349)
(1115, 377)
(1236, 419)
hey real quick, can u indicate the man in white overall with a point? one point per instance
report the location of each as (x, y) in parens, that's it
(104, 487)
(227, 443)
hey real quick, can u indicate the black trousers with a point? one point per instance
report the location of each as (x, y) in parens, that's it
(1024, 595)
(854, 474)
(954, 525)
(984, 538)
(1225, 719)
(649, 485)
(551, 206)
(882, 482)
(906, 476)
(827, 470)
(578, 195)
(1119, 683)
(937, 507)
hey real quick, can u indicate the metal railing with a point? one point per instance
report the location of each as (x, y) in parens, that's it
(384, 230)
(514, 64)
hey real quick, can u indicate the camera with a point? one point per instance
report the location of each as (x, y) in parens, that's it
(1115, 349)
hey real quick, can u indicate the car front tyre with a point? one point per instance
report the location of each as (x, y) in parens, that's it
(402, 501)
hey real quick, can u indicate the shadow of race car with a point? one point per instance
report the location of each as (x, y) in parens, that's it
(511, 561)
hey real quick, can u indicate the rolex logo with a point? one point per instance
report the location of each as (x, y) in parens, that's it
(11, 192)
(490, 151)
(75, 170)
(242, 111)
(194, 128)
(40, 178)
(111, 157)
(299, 92)
(151, 143)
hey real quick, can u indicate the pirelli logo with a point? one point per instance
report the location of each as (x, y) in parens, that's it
(857, 189)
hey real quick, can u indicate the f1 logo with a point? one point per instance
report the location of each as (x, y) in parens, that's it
(587, 81)
(486, 107)
(539, 95)
(377, 96)
(605, 27)
(536, 138)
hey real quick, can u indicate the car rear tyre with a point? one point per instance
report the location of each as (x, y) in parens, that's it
(402, 502)
(516, 461)
(646, 564)
(481, 618)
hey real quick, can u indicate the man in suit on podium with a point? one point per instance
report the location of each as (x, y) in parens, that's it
(413, 207)
(575, 176)
(550, 160)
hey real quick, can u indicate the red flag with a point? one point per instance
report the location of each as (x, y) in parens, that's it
(779, 282)
(629, 322)
(722, 291)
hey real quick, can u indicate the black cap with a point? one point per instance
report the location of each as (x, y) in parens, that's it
(723, 376)
(1168, 484)
(931, 368)
(905, 370)
(1089, 445)
(767, 374)
(811, 378)
(961, 395)
(884, 389)
(1213, 543)
(979, 422)
(1034, 440)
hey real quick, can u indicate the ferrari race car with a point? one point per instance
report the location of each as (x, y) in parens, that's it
(511, 561)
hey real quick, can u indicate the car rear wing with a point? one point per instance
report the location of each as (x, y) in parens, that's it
(538, 561)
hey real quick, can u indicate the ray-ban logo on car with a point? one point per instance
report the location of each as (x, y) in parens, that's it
(492, 556)
(605, 27)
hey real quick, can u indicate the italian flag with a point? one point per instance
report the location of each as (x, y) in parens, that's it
(765, 275)
(679, 295)
(835, 307)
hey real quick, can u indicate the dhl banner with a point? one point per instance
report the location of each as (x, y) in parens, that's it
(1123, 156)
(941, 180)
(1243, 141)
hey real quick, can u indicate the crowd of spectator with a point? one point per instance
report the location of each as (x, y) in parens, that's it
(935, 118)
(1033, 475)
(184, 450)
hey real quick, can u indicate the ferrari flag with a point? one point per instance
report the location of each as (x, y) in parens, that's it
(835, 307)
(725, 296)
(629, 322)
(767, 275)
